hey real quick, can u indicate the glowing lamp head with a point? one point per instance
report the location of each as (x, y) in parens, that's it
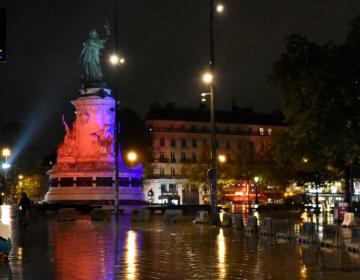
(5, 166)
(208, 78)
(222, 158)
(220, 8)
(256, 179)
(122, 60)
(20, 177)
(305, 159)
(132, 156)
(6, 152)
(114, 59)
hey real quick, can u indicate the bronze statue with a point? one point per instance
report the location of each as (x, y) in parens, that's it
(90, 55)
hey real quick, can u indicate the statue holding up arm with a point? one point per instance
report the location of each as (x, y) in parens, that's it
(90, 55)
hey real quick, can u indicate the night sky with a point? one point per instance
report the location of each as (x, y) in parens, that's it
(165, 43)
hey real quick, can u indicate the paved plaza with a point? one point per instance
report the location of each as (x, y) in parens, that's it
(119, 249)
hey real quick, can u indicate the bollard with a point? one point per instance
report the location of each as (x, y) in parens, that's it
(354, 245)
(172, 216)
(226, 219)
(284, 229)
(66, 214)
(251, 225)
(98, 214)
(140, 215)
(237, 221)
(202, 217)
(307, 233)
(266, 228)
(331, 236)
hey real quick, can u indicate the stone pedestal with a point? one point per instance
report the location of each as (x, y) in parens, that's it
(85, 169)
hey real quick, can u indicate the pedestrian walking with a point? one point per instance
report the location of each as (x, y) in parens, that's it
(24, 206)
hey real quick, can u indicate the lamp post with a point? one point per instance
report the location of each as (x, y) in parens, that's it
(6, 152)
(115, 60)
(208, 79)
(256, 179)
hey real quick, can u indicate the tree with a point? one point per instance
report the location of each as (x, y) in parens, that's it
(134, 136)
(320, 89)
(33, 185)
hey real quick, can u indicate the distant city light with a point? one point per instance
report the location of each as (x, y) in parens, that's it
(256, 179)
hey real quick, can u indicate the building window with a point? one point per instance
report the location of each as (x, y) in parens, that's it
(162, 142)
(163, 188)
(173, 142)
(217, 144)
(194, 143)
(173, 158)
(162, 173)
(162, 157)
(194, 159)
(172, 171)
(261, 131)
(228, 144)
(183, 157)
(172, 188)
(269, 131)
(183, 142)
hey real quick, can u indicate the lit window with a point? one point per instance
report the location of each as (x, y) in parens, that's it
(261, 131)
(269, 131)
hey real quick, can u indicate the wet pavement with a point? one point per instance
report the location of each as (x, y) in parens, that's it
(119, 249)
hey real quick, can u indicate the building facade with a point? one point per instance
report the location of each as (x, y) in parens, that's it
(181, 140)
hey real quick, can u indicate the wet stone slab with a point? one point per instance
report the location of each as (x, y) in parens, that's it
(120, 249)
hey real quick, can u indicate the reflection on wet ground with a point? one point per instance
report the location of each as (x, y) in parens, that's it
(84, 249)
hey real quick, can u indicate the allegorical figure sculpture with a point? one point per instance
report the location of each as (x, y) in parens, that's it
(90, 55)
(105, 141)
(68, 147)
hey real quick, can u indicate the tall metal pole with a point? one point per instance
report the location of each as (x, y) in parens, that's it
(213, 189)
(116, 130)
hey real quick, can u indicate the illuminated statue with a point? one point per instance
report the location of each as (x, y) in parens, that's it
(90, 55)
(105, 140)
(68, 147)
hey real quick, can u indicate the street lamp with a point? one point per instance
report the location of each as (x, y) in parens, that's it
(256, 179)
(132, 156)
(6, 152)
(116, 59)
(222, 158)
(208, 78)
